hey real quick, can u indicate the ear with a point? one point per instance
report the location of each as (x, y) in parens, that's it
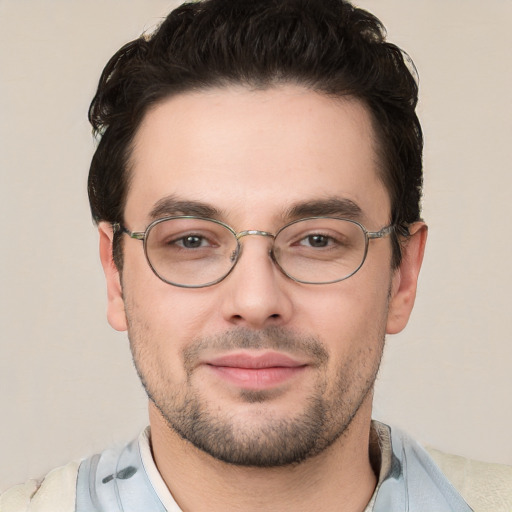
(115, 308)
(405, 279)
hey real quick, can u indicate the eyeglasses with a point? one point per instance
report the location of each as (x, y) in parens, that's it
(195, 252)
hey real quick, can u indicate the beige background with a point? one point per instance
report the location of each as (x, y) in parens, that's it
(67, 387)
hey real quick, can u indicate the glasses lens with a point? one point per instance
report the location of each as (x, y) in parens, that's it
(320, 250)
(190, 252)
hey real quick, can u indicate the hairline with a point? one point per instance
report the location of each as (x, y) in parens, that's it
(381, 166)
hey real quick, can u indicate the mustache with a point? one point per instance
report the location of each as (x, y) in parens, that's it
(270, 338)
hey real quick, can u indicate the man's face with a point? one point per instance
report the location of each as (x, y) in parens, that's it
(257, 369)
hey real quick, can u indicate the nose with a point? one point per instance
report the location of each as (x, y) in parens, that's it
(257, 294)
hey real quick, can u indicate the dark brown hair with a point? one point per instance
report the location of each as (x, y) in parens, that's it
(328, 46)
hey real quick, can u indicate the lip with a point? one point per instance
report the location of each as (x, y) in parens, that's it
(255, 371)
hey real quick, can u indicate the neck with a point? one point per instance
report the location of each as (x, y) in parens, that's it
(340, 478)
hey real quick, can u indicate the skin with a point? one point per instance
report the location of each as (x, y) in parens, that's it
(252, 155)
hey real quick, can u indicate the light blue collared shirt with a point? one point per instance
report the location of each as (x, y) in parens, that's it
(409, 481)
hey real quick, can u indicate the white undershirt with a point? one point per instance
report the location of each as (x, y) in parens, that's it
(154, 476)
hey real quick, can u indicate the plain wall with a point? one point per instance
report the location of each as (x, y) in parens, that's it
(67, 385)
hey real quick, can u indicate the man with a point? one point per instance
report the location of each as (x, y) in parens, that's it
(256, 187)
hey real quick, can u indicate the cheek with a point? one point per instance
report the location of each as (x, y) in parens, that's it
(350, 312)
(160, 326)
(164, 316)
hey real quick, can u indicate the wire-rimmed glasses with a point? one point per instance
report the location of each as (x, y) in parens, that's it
(195, 252)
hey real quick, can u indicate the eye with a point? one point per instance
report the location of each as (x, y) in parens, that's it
(191, 241)
(316, 240)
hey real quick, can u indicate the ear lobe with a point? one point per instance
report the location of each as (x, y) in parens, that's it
(405, 280)
(115, 309)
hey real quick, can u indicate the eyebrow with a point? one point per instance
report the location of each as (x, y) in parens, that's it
(170, 205)
(335, 206)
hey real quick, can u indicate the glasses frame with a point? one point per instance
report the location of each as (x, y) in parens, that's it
(142, 236)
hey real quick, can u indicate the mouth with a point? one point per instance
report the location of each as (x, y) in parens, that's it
(256, 371)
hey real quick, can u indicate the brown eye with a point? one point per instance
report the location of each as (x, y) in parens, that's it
(318, 240)
(191, 241)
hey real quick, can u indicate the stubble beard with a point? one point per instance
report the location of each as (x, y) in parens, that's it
(325, 416)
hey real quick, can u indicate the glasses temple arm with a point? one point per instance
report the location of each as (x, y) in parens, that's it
(137, 235)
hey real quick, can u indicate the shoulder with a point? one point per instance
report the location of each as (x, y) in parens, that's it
(55, 493)
(485, 486)
(409, 479)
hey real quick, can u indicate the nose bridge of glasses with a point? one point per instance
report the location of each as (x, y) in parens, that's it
(256, 232)
(235, 256)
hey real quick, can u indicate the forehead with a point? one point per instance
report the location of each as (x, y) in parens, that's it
(255, 153)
